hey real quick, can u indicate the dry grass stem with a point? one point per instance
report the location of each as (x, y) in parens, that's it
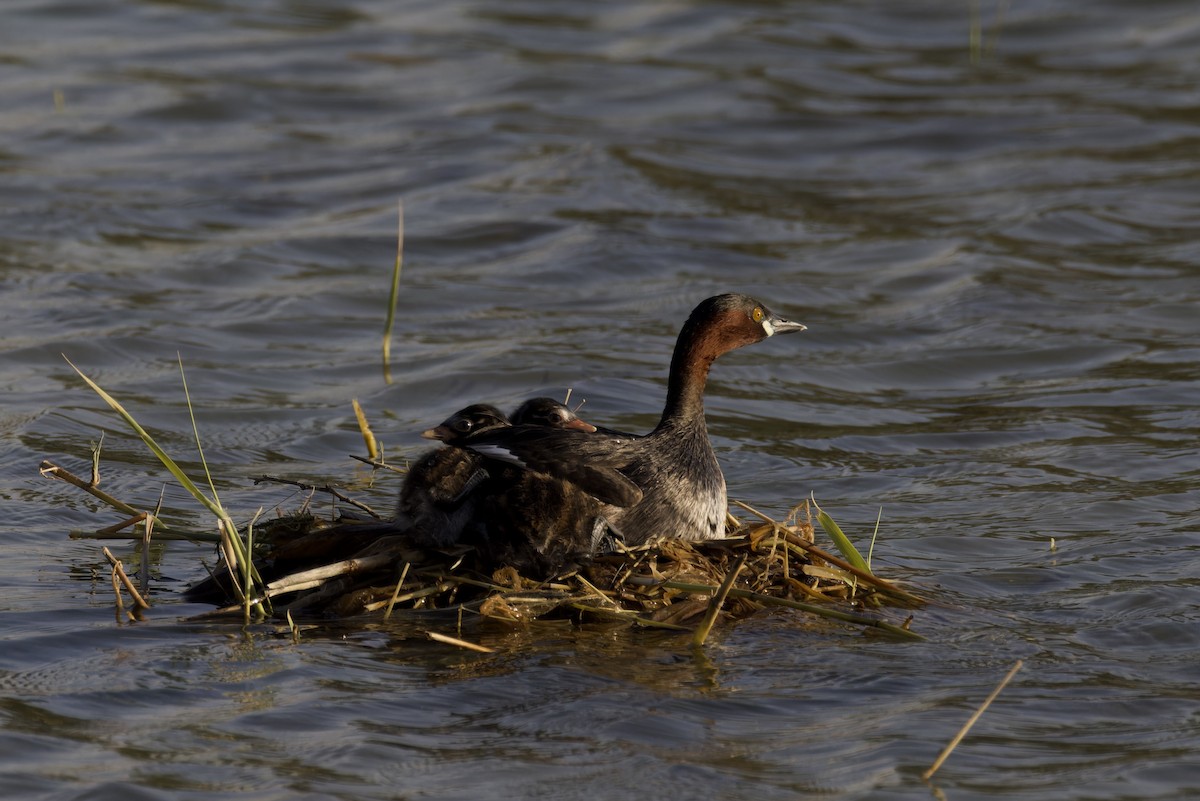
(379, 465)
(327, 489)
(365, 429)
(119, 572)
(387, 612)
(51, 470)
(145, 571)
(124, 524)
(717, 601)
(760, 515)
(96, 461)
(393, 297)
(319, 575)
(937, 763)
(470, 646)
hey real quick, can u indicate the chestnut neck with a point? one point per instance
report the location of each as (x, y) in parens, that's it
(698, 346)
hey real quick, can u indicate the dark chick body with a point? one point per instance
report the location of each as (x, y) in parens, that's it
(437, 498)
(522, 518)
(533, 522)
(438, 501)
(443, 499)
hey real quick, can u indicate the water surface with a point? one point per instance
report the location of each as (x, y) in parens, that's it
(994, 248)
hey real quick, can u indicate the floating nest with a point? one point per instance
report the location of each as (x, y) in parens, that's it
(671, 584)
(306, 567)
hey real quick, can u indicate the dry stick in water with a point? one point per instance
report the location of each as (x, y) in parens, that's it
(149, 531)
(391, 314)
(714, 605)
(387, 613)
(151, 519)
(138, 600)
(378, 465)
(327, 489)
(117, 530)
(937, 763)
(365, 428)
(49, 468)
(295, 630)
(470, 646)
(116, 582)
(96, 461)
(231, 562)
(307, 579)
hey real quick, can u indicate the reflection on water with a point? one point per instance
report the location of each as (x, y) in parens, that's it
(996, 259)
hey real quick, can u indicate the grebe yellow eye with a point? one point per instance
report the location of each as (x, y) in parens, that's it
(757, 314)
